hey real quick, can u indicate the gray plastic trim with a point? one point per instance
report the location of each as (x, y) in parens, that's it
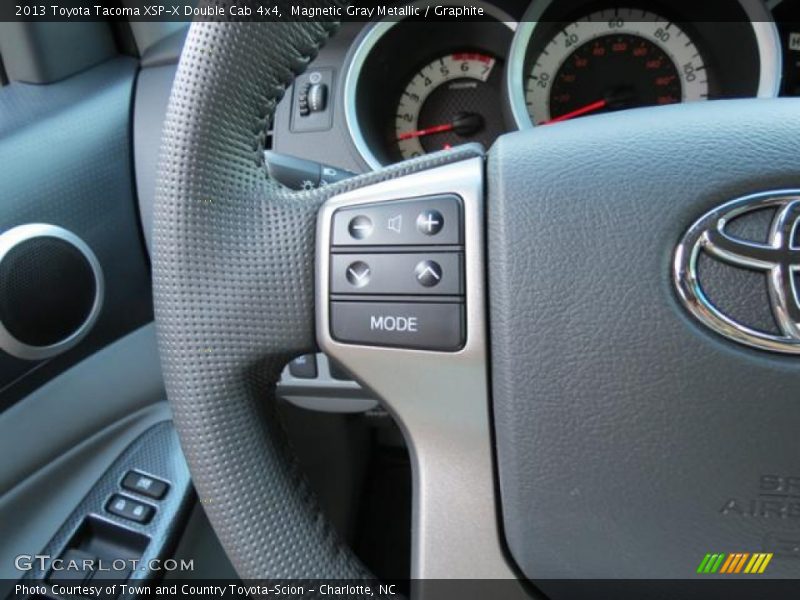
(149, 110)
(106, 387)
(23, 233)
(324, 393)
(439, 399)
(765, 31)
(149, 35)
(43, 52)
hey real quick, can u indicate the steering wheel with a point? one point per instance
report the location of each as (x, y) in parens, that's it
(618, 435)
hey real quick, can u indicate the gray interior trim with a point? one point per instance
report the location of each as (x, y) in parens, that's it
(149, 35)
(109, 385)
(166, 51)
(440, 399)
(44, 52)
(65, 156)
(149, 110)
(24, 233)
(324, 393)
(199, 544)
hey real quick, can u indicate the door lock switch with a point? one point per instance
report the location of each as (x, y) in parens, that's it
(130, 509)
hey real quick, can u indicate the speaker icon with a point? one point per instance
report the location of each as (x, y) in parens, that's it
(395, 223)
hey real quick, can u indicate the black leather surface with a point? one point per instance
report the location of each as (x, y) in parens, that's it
(233, 270)
(623, 426)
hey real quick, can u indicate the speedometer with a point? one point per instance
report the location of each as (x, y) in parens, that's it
(451, 100)
(614, 59)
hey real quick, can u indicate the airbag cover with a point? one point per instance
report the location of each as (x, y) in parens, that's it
(631, 440)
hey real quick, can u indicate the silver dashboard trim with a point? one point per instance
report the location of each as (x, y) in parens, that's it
(22, 233)
(366, 41)
(764, 28)
(770, 52)
(439, 399)
(515, 77)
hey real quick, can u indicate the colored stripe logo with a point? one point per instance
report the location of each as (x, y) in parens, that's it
(734, 563)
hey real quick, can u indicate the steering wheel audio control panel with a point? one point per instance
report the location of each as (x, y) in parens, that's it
(423, 377)
(397, 274)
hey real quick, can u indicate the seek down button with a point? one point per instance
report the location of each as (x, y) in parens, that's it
(438, 326)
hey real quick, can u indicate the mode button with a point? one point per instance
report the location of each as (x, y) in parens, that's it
(422, 326)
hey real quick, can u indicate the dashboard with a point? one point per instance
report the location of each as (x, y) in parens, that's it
(400, 88)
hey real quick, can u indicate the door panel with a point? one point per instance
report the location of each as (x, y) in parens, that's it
(58, 441)
(65, 151)
(66, 160)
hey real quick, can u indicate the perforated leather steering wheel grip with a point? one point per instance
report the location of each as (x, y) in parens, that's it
(233, 270)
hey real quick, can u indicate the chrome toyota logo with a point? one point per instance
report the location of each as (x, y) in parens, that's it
(778, 258)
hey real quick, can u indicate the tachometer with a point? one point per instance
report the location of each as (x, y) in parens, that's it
(614, 59)
(449, 101)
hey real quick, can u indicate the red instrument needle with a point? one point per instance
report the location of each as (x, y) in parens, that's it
(427, 131)
(577, 112)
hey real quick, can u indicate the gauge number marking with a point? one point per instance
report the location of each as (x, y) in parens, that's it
(460, 65)
(654, 35)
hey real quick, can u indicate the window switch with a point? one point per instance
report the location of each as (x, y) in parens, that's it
(130, 509)
(145, 485)
(76, 567)
(304, 367)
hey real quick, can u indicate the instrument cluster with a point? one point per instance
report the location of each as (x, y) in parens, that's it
(415, 86)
